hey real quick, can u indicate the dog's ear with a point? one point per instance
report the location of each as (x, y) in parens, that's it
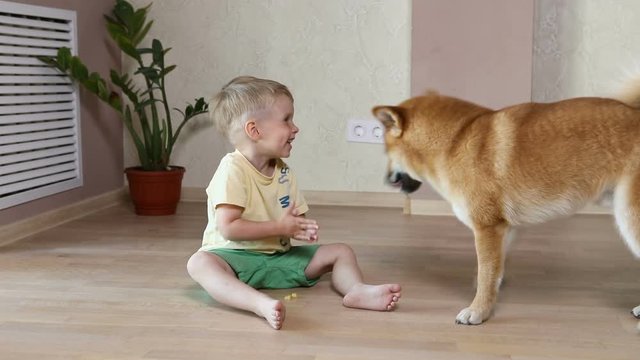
(391, 117)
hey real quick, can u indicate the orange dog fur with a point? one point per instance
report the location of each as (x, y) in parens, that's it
(522, 164)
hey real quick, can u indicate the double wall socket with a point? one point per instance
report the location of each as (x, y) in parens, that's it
(366, 130)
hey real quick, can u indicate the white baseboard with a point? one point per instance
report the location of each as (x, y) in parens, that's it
(336, 198)
(593, 209)
(15, 231)
(193, 194)
(428, 207)
(18, 230)
(356, 198)
(442, 207)
(35, 224)
(375, 199)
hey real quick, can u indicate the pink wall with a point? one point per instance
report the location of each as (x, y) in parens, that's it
(477, 50)
(102, 149)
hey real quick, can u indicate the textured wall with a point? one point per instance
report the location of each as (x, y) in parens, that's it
(339, 58)
(584, 48)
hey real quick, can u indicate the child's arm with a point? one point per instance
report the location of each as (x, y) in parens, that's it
(232, 226)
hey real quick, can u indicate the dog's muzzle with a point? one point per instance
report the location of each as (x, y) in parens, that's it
(406, 183)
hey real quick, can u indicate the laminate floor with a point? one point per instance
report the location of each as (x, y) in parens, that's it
(113, 285)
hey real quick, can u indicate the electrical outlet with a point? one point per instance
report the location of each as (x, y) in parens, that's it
(365, 130)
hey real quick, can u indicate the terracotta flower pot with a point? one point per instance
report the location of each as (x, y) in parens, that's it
(155, 192)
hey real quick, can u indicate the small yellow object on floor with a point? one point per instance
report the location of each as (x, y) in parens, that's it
(290, 296)
(294, 295)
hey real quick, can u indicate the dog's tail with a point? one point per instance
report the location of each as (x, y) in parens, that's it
(630, 92)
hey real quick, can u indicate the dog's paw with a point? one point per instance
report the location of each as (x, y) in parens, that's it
(636, 312)
(469, 316)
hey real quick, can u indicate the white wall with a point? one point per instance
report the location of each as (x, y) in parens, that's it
(584, 48)
(339, 58)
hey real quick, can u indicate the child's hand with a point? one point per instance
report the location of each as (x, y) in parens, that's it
(310, 235)
(297, 226)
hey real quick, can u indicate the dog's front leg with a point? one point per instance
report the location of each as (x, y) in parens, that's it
(488, 241)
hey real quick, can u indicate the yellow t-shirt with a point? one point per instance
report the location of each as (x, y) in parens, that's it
(264, 198)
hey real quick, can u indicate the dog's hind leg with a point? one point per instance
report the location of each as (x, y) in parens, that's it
(506, 246)
(626, 209)
(626, 203)
(489, 251)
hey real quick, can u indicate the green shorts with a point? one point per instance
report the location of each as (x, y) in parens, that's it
(271, 271)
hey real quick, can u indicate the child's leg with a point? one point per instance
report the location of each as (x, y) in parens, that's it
(347, 279)
(219, 280)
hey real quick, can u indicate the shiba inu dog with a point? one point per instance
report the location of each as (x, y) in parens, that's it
(522, 164)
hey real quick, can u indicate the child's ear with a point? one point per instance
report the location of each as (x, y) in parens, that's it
(251, 129)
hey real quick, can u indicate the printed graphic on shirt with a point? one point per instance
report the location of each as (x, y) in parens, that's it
(284, 201)
(284, 175)
(283, 178)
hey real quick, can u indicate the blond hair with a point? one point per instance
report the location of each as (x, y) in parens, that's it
(242, 96)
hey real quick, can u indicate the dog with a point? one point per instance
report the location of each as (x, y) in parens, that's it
(522, 164)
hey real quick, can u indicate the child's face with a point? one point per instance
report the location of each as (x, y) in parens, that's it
(277, 129)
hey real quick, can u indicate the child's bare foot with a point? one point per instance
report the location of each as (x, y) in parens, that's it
(373, 297)
(273, 311)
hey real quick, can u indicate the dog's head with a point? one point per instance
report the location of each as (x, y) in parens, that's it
(420, 134)
(400, 171)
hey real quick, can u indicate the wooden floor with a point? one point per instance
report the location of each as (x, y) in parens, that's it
(114, 286)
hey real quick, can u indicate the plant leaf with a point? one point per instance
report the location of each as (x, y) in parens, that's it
(158, 54)
(167, 70)
(140, 36)
(153, 138)
(78, 70)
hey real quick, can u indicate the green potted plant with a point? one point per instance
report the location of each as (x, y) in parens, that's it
(155, 184)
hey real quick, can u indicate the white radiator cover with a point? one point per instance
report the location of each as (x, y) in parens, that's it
(40, 152)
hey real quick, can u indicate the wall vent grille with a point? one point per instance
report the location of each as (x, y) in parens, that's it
(39, 108)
